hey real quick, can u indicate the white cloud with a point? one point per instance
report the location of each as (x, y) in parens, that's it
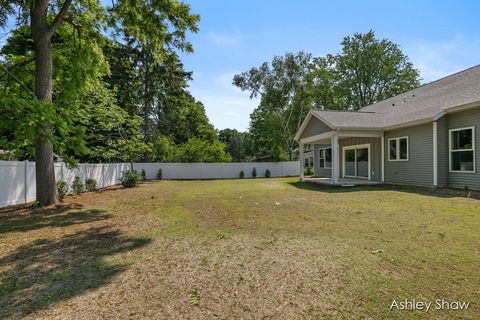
(225, 39)
(436, 59)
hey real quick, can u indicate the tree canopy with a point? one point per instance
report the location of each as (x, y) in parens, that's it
(95, 81)
(365, 71)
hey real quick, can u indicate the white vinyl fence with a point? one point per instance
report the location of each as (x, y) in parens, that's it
(17, 178)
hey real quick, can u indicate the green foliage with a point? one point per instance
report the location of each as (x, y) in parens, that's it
(111, 133)
(62, 189)
(130, 178)
(195, 299)
(242, 174)
(197, 150)
(164, 149)
(160, 174)
(91, 184)
(238, 144)
(143, 174)
(254, 173)
(89, 119)
(77, 185)
(308, 171)
(365, 71)
(369, 70)
(267, 173)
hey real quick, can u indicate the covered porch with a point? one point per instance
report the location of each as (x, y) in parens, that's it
(345, 157)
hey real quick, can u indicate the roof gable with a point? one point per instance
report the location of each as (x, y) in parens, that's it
(425, 103)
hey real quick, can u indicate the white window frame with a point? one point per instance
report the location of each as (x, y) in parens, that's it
(324, 158)
(355, 147)
(450, 151)
(398, 148)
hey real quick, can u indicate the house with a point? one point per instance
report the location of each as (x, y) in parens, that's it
(428, 136)
(307, 155)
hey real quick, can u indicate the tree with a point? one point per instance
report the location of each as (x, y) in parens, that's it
(237, 144)
(197, 150)
(155, 24)
(369, 70)
(366, 70)
(284, 102)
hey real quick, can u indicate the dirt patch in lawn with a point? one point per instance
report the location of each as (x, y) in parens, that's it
(239, 249)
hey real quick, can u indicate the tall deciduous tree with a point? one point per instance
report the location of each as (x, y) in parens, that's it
(366, 70)
(152, 24)
(284, 102)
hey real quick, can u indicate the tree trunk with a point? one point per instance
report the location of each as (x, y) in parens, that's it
(146, 108)
(44, 167)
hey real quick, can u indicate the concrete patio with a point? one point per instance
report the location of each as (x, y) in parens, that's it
(342, 181)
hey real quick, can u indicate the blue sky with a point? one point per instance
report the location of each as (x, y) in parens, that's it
(440, 38)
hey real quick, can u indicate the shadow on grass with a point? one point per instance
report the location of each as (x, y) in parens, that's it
(425, 191)
(21, 219)
(50, 271)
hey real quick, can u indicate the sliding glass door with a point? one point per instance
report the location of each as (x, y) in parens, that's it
(356, 161)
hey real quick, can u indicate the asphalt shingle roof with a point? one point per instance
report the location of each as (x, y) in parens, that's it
(424, 102)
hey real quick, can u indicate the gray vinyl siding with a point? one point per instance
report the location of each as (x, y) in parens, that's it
(442, 151)
(459, 120)
(375, 154)
(315, 127)
(320, 172)
(418, 170)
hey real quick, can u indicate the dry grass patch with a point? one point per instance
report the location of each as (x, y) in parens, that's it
(249, 249)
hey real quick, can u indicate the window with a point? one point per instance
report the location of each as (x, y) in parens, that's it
(325, 158)
(398, 149)
(306, 164)
(462, 149)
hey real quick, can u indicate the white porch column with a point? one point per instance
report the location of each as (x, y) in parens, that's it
(335, 159)
(382, 150)
(302, 161)
(435, 155)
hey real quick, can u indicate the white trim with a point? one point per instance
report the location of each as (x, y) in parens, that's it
(335, 159)
(383, 158)
(355, 147)
(305, 122)
(357, 133)
(318, 137)
(397, 146)
(435, 155)
(302, 161)
(325, 158)
(450, 149)
(459, 108)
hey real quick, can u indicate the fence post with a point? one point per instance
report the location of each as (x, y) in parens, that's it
(103, 175)
(25, 184)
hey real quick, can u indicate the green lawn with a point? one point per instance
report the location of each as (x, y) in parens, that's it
(241, 249)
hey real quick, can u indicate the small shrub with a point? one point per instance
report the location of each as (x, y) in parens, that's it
(160, 174)
(77, 185)
(143, 174)
(91, 184)
(130, 178)
(308, 171)
(242, 174)
(267, 173)
(62, 189)
(254, 173)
